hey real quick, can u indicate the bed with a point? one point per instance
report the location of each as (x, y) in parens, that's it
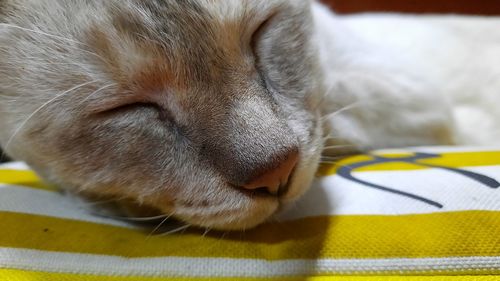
(427, 213)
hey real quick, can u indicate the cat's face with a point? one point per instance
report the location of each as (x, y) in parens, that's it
(175, 105)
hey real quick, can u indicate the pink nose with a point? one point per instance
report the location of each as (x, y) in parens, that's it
(275, 180)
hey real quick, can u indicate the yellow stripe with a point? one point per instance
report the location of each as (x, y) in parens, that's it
(23, 178)
(452, 160)
(19, 275)
(471, 233)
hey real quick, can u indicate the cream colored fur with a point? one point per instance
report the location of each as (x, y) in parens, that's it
(170, 107)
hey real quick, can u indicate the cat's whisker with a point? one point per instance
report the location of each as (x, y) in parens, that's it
(207, 230)
(52, 36)
(136, 219)
(343, 109)
(339, 146)
(325, 94)
(96, 92)
(173, 231)
(330, 137)
(159, 225)
(144, 219)
(223, 236)
(48, 64)
(332, 157)
(39, 109)
(95, 203)
(41, 33)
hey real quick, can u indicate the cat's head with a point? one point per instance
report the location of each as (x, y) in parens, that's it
(202, 109)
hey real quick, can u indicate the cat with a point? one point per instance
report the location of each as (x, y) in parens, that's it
(217, 113)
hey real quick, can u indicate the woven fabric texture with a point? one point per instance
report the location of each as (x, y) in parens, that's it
(430, 213)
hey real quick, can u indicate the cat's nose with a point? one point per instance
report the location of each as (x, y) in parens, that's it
(274, 181)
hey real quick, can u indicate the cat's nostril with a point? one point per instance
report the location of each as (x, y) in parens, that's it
(274, 181)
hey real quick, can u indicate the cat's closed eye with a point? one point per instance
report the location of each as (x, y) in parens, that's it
(130, 107)
(195, 110)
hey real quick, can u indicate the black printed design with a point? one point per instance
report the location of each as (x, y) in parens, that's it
(346, 172)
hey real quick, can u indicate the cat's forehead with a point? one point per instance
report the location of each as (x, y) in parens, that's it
(238, 10)
(189, 39)
(229, 10)
(203, 15)
(184, 44)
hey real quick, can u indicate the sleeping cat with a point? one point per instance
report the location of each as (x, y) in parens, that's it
(218, 112)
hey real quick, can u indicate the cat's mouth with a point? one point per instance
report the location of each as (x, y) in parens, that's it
(241, 209)
(249, 208)
(244, 209)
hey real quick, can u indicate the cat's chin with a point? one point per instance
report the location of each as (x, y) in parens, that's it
(252, 213)
(258, 210)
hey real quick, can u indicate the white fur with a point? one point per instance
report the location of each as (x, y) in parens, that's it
(411, 74)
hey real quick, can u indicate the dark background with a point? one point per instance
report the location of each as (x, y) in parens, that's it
(472, 7)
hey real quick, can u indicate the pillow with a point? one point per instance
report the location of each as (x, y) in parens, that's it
(428, 213)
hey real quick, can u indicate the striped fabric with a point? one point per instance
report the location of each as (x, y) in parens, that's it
(417, 214)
